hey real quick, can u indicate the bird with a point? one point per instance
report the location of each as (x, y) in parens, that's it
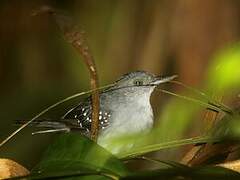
(125, 108)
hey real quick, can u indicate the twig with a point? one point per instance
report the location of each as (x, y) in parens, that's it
(76, 38)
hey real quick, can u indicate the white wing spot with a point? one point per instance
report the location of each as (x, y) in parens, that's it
(100, 117)
(85, 114)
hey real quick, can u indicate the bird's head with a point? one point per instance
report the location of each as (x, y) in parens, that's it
(140, 81)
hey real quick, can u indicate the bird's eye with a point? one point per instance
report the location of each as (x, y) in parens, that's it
(138, 82)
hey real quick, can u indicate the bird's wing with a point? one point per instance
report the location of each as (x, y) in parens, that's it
(79, 118)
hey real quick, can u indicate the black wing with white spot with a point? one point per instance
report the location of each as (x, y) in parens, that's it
(79, 118)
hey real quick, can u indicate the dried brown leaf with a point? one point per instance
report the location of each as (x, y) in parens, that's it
(10, 168)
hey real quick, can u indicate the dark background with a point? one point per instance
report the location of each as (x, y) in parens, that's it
(38, 67)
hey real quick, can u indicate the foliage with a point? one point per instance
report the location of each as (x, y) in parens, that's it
(77, 157)
(74, 156)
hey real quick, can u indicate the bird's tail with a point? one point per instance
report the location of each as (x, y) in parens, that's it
(51, 125)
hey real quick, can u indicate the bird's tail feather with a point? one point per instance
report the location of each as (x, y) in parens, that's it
(45, 123)
(53, 126)
(51, 131)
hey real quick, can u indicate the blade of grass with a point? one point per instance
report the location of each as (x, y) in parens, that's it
(155, 147)
(158, 161)
(48, 109)
(204, 95)
(77, 174)
(204, 104)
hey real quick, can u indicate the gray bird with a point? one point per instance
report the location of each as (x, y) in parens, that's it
(124, 108)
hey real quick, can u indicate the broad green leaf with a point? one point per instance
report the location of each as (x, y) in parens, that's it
(73, 154)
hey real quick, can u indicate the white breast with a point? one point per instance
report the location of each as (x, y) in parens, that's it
(133, 117)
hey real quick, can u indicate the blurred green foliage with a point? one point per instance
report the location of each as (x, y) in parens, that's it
(224, 74)
(38, 67)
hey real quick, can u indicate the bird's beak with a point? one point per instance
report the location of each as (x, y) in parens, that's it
(160, 80)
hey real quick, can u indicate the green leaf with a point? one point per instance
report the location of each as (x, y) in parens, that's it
(200, 173)
(74, 155)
